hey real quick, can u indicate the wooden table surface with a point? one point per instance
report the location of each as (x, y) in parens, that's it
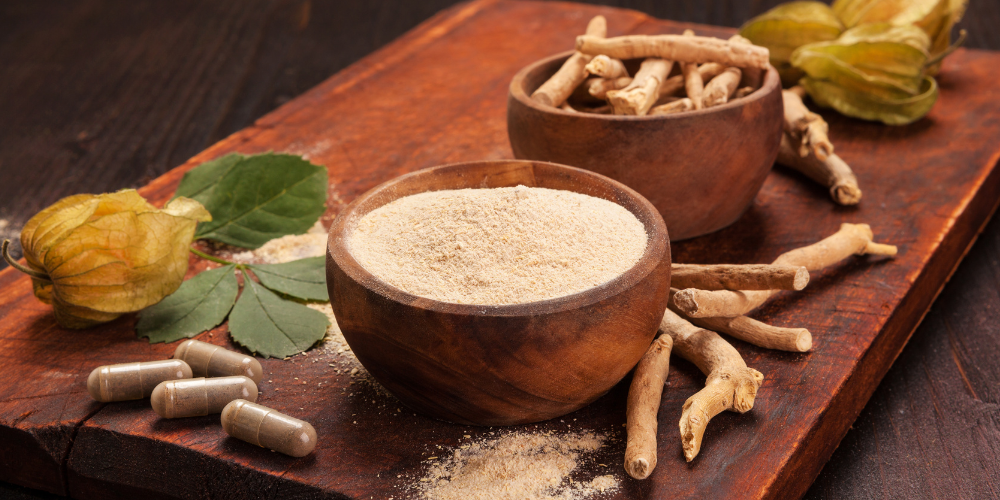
(98, 96)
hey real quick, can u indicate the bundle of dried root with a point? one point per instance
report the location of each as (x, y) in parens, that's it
(710, 72)
(715, 298)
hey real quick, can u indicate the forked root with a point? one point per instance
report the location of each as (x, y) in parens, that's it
(832, 172)
(807, 130)
(754, 332)
(851, 239)
(731, 385)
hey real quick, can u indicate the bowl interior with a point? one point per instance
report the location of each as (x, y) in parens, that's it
(492, 174)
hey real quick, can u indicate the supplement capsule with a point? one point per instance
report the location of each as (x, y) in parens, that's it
(200, 396)
(209, 360)
(133, 380)
(267, 428)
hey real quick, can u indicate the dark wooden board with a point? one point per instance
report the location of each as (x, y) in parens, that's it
(415, 103)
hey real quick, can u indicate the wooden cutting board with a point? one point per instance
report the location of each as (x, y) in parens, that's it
(437, 95)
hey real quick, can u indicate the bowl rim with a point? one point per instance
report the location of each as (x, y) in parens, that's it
(770, 81)
(657, 248)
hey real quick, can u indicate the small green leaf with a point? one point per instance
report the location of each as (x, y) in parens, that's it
(201, 303)
(263, 197)
(199, 183)
(271, 326)
(303, 278)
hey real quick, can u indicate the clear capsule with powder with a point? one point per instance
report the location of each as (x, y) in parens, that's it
(268, 428)
(209, 360)
(200, 396)
(127, 381)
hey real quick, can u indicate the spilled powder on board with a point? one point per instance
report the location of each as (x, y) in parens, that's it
(334, 341)
(498, 246)
(517, 466)
(287, 248)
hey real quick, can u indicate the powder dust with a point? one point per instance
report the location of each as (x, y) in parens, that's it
(517, 466)
(301, 246)
(498, 246)
(286, 249)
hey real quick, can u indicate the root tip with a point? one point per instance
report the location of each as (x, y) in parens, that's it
(881, 249)
(801, 278)
(639, 468)
(846, 194)
(684, 300)
(804, 340)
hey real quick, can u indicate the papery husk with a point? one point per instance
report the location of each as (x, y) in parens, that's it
(110, 254)
(901, 110)
(873, 72)
(935, 17)
(884, 54)
(789, 26)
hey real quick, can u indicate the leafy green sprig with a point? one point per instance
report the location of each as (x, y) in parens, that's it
(252, 199)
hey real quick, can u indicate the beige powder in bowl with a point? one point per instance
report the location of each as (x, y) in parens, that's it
(498, 246)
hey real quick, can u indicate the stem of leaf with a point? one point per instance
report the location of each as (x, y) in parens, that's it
(213, 258)
(17, 265)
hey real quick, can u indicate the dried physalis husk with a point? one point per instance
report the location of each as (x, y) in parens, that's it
(891, 111)
(788, 27)
(96, 257)
(935, 17)
(873, 72)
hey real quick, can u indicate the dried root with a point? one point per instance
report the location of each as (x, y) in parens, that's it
(832, 172)
(599, 87)
(731, 385)
(694, 85)
(722, 87)
(851, 239)
(679, 48)
(640, 95)
(738, 277)
(704, 74)
(806, 129)
(677, 106)
(752, 77)
(558, 88)
(754, 332)
(606, 67)
(643, 404)
(675, 84)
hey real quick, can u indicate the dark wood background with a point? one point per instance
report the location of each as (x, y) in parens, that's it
(99, 95)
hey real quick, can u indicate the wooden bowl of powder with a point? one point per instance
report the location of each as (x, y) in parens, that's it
(701, 169)
(499, 292)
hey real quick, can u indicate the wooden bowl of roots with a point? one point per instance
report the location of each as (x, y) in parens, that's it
(503, 364)
(701, 169)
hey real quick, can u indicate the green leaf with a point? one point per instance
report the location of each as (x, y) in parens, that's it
(271, 326)
(303, 278)
(199, 182)
(201, 303)
(263, 197)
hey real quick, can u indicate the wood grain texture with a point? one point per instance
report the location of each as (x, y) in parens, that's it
(931, 428)
(958, 472)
